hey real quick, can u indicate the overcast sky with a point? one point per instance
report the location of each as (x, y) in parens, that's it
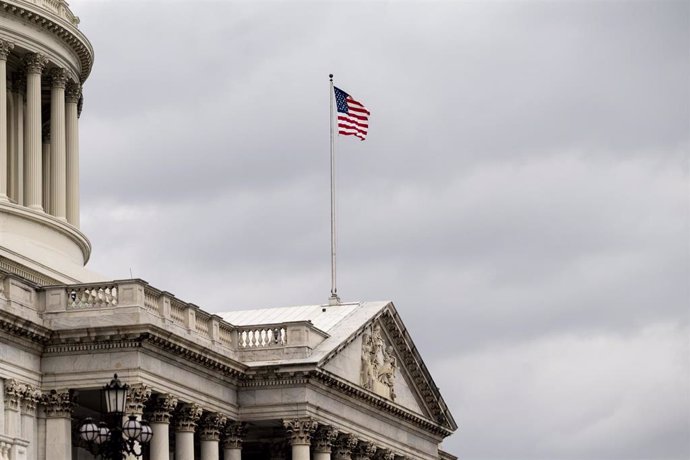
(522, 196)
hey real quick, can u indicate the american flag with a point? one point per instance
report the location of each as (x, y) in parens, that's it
(353, 117)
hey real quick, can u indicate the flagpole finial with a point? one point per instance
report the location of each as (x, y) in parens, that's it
(330, 75)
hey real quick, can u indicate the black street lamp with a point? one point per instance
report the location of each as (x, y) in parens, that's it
(123, 438)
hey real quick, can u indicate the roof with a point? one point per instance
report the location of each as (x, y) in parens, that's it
(338, 321)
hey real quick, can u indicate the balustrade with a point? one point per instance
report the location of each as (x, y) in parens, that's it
(96, 296)
(261, 337)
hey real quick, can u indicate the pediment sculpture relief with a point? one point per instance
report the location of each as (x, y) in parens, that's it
(378, 364)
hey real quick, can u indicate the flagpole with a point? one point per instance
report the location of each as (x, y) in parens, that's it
(334, 299)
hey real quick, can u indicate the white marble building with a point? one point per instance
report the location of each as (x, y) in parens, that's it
(340, 381)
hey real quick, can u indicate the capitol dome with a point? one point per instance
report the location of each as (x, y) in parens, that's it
(45, 60)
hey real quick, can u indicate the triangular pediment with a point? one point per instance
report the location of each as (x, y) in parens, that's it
(380, 357)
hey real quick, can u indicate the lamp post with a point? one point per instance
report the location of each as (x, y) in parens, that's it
(120, 439)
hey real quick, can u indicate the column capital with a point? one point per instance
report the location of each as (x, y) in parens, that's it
(35, 63)
(187, 417)
(5, 49)
(136, 398)
(344, 444)
(234, 435)
(72, 92)
(384, 454)
(365, 450)
(324, 438)
(163, 407)
(211, 425)
(58, 77)
(57, 404)
(14, 392)
(30, 399)
(300, 430)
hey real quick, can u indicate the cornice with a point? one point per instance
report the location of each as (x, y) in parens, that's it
(303, 377)
(379, 402)
(59, 27)
(203, 357)
(23, 329)
(143, 336)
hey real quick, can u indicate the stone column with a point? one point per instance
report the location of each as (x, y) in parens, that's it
(187, 418)
(30, 399)
(34, 65)
(17, 153)
(234, 435)
(343, 446)
(160, 422)
(365, 450)
(5, 48)
(299, 432)
(323, 441)
(73, 93)
(211, 426)
(136, 398)
(45, 149)
(58, 424)
(14, 391)
(58, 164)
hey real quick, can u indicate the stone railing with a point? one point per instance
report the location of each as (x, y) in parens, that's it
(262, 336)
(60, 8)
(92, 296)
(132, 302)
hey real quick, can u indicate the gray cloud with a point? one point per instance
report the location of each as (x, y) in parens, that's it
(522, 196)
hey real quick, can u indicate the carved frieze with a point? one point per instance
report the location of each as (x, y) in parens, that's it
(35, 62)
(234, 435)
(300, 430)
(378, 364)
(5, 49)
(136, 398)
(324, 438)
(187, 417)
(163, 407)
(57, 403)
(211, 426)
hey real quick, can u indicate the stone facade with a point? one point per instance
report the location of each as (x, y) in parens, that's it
(337, 381)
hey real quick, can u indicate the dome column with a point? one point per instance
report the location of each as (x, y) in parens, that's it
(73, 93)
(5, 48)
(35, 63)
(58, 161)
